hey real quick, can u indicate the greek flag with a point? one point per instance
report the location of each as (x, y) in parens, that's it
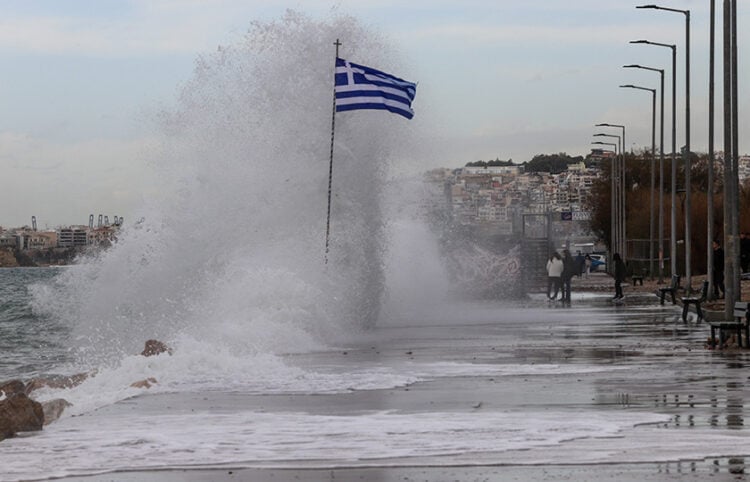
(360, 87)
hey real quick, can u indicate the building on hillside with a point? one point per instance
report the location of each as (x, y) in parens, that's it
(743, 167)
(72, 236)
(40, 240)
(491, 170)
(439, 175)
(101, 235)
(577, 166)
(8, 241)
(600, 157)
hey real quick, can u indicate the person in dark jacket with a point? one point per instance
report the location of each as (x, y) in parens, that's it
(619, 275)
(718, 274)
(569, 269)
(745, 252)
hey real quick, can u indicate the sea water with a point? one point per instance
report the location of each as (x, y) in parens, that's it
(283, 355)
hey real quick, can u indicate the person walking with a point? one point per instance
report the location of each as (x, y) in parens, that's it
(745, 251)
(718, 273)
(554, 272)
(569, 269)
(580, 264)
(619, 276)
(587, 266)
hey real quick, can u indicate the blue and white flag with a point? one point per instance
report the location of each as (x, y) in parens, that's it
(360, 87)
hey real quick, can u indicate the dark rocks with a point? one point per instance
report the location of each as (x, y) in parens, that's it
(13, 387)
(19, 413)
(53, 409)
(155, 347)
(147, 383)
(57, 382)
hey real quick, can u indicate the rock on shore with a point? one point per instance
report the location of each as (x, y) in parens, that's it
(19, 413)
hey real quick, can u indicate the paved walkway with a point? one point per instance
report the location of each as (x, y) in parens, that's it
(600, 281)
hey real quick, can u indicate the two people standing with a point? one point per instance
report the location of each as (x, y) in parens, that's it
(560, 271)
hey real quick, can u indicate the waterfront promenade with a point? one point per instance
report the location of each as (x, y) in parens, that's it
(534, 390)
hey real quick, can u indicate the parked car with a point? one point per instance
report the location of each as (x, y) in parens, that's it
(598, 262)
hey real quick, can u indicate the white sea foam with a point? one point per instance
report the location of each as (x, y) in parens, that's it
(199, 438)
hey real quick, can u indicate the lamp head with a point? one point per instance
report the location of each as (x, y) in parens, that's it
(632, 66)
(640, 42)
(647, 6)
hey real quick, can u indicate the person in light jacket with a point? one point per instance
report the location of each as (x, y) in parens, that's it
(554, 273)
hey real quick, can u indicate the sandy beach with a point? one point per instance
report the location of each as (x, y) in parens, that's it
(509, 391)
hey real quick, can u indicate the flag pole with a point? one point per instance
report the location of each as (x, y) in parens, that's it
(330, 164)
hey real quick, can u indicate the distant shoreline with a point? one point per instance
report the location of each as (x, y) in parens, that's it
(38, 258)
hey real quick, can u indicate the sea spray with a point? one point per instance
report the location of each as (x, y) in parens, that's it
(416, 275)
(231, 250)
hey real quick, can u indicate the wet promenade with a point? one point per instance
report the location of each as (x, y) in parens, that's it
(498, 391)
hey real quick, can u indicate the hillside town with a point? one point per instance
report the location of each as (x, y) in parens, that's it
(497, 197)
(490, 199)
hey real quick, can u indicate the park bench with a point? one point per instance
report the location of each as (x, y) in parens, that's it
(638, 278)
(741, 320)
(671, 289)
(694, 300)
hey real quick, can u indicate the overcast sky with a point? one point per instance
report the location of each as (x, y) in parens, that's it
(501, 79)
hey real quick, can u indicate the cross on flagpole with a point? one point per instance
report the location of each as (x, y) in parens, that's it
(337, 44)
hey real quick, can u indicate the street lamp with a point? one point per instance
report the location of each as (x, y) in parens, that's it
(661, 164)
(614, 228)
(673, 208)
(686, 154)
(732, 269)
(653, 176)
(661, 173)
(619, 208)
(711, 160)
(621, 190)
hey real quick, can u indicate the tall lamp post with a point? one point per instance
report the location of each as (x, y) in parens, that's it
(732, 268)
(711, 157)
(621, 199)
(653, 175)
(620, 213)
(615, 242)
(686, 154)
(661, 168)
(673, 222)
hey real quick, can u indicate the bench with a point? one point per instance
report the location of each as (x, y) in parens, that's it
(638, 278)
(693, 300)
(671, 289)
(741, 319)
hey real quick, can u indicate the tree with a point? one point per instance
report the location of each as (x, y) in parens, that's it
(552, 163)
(638, 185)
